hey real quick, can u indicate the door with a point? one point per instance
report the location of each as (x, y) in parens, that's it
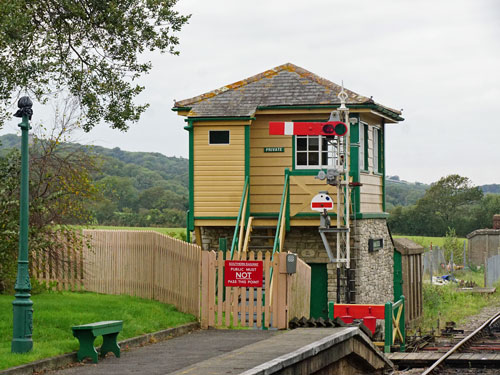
(319, 290)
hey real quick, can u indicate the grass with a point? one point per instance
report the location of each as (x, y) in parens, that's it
(445, 303)
(173, 232)
(427, 241)
(56, 312)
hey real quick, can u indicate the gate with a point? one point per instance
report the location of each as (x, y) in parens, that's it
(263, 307)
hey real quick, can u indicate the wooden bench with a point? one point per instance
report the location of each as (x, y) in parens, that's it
(87, 333)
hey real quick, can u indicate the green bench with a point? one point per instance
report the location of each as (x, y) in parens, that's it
(87, 333)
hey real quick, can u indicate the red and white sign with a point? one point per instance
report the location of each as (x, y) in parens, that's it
(245, 273)
(307, 128)
(322, 202)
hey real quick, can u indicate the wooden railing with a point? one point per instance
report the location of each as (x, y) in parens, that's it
(145, 264)
(395, 325)
(237, 243)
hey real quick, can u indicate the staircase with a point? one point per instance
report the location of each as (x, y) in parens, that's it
(262, 238)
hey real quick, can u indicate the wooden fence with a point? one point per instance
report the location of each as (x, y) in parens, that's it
(267, 306)
(145, 264)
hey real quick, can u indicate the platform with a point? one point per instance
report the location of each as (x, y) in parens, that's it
(301, 351)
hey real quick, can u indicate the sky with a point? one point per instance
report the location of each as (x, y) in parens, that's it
(437, 60)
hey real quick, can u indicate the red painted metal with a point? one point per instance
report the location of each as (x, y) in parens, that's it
(368, 313)
(322, 204)
(309, 128)
(370, 321)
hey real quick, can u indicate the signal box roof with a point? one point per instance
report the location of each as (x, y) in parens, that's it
(285, 85)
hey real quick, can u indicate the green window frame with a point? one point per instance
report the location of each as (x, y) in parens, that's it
(363, 147)
(377, 151)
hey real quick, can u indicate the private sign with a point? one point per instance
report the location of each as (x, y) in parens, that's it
(244, 273)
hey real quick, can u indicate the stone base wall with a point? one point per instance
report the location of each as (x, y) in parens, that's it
(210, 237)
(373, 270)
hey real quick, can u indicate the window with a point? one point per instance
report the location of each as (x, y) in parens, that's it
(377, 162)
(218, 137)
(316, 151)
(363, 147)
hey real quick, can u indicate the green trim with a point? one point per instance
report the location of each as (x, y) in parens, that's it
(188, 232)
(382, 158)
(366, 147)
(376, 107)
(313, 215)
(247, 168)
(215, 217)
(287, 208)
(364, 170)
(265, 214)
(293, 152)
(189, 128)
(354, 164)
(242, 118)
(305, 172)
(372, 215)
(179, 109)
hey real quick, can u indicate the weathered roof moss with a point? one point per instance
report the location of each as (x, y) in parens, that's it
(285, 85)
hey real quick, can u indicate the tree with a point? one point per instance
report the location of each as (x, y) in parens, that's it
(89, 48)
(448, 199)
(60, 189)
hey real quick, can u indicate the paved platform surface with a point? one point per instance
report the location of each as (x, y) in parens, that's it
(168, 356)
(223, 352)
(278, 351)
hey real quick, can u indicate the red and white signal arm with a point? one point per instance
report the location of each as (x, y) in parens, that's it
(322, 202)
(329, 128)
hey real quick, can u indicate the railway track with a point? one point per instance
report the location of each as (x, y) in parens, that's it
(477, 352)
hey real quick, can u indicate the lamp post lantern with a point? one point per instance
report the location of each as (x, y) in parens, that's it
(22, 305)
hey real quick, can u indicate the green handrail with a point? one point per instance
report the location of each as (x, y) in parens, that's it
(234, 244)
(282, 213)
(389, 324)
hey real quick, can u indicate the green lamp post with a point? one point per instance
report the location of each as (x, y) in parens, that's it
(23, 306)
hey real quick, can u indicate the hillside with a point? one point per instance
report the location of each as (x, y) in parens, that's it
(138, 188)
(151, 189)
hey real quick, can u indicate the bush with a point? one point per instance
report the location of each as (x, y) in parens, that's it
(452, 245)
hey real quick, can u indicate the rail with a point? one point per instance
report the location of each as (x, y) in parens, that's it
(440, 361)
(395, 324)
(240, 221)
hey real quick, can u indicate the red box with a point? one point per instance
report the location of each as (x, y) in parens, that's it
(243, 273)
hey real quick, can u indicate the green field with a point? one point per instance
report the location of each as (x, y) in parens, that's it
(55, 313)
(173, 232)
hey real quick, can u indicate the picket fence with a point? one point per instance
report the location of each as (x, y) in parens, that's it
(282, 296)
(145, 264)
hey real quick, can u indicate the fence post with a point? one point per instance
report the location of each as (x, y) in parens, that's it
(402, 327)
(431, 263)
(388, 327)
(465, 263)
(331, 306)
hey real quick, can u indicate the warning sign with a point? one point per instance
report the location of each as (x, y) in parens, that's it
(245, 273)
(321, 202)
